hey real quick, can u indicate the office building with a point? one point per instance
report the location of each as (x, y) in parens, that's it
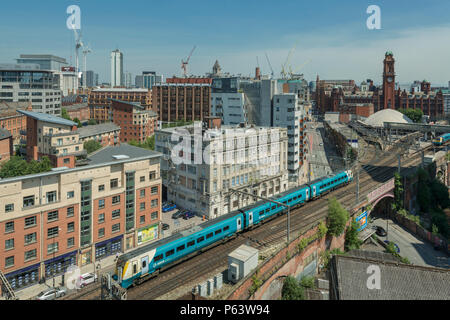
(117, 73)
(45, 61)
(76, 217)
(248, 158)
(148, 79)
(28, 83)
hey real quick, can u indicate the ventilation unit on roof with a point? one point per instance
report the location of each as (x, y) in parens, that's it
(121, 157)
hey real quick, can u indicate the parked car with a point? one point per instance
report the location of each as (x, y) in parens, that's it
(52, 294)
(165, 226)
(169, 207)
(178, 214)
(380, 232)
(188, 215)
(87, 278)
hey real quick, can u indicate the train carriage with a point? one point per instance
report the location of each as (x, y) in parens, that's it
(322, 186)
(439, 141)
(141, 264)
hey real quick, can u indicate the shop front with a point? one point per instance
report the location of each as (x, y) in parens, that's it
(59, 265)
(23, 278)
(147, 234)
(108, 247)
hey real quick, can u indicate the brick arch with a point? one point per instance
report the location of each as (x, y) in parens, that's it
(387, 195)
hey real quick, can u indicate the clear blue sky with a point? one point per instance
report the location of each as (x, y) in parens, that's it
(156, 35)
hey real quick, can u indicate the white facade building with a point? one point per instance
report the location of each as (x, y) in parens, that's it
(117, 75)
(230, 107)
(250, 159)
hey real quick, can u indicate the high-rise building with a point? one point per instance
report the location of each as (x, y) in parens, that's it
(128, 79)
(45, 61)
(148, 79)
(117, 75)
(90, 79)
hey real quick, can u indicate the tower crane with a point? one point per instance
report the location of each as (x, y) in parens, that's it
(293, 73)
(284, 72)
(78, 45)
(268, 61)
(86, 51)
(184, 64)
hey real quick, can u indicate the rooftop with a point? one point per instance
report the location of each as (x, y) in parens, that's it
(77, 106)
(4, 134)
(93, 130)
(397, 281)
(120, 90)
(387, 115)
(43, 57)
(109, 154)
(47, 118)
(8, 109)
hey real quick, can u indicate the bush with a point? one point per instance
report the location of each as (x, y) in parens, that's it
(292, 290)
(352, 242)
(337, 218)
(16, 166)
(322, 230)
(91, 146)
(256, 283)
(307, 282)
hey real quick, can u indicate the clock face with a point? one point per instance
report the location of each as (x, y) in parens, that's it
(390, 79)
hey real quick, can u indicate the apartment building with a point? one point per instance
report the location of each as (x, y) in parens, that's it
(6, 145)
(79, 111)
(28, 83)
(53, 220)
(134, 121)
(182, 101)
(100, 100)
(13, 121)
(107, 134)
(248, 158)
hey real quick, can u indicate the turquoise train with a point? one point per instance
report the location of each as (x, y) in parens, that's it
(439, 141)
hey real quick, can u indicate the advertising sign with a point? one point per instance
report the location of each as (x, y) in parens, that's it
(362, 221)
(147, 234)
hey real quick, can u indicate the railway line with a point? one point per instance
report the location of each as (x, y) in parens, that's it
(378, 169)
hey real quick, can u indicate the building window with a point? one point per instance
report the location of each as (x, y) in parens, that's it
(30, 238)
(101, 232)
(70, 242)
(70, 212)
(101, 218)
(152, 175)
(101, 187)
(51, 197)
(142, 179)
(9, 262)
(101, 203)
(142, 219)
(154, 190)
(9, 227)
(70, 194)
(115, 228)
(154, 215)
(115, 200)
(9, 207)
(52, 216)
(30, 222)
(52, 248)
(9, 244)
(142, 193)
(70, 227)
(52, 232)
(116, 214)
(28, 201)
(30, 255)
(114, 183)
(67, 160)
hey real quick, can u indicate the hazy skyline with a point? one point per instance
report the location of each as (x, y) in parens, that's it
(156, 36)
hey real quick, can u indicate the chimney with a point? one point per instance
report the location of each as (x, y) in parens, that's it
(258, 73)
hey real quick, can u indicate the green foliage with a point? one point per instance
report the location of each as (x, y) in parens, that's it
(16, 167)
(439, 220)
(352, 241)
(440, 194)
(434, 230)
(292, 290)
(398, 191)
(302, 244)
(78, 122)
(390, 248)
(64, 114)
(91, 146)
(308, 282)
(447, 156)
(337, 218)
(256, 284)
(92, 122)
(414, 114)
(148, 144)
(326, 255)
(424, 196)
(322, 230)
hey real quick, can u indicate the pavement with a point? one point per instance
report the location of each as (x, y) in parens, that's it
(107, 265)
(317, 154)
(417, 251)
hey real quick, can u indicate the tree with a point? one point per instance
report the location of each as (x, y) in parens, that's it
(440, 194)
(337, 218)
(148, 144)
(92, 122)
(424, 193)
(414, 114)
(65, 114)
(91, 146)
(17, 166)
(292, 290)
(398, 191)
(352, 242)
(78, 122)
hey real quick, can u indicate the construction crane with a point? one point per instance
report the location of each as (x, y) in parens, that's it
(184, 64)
(86, 51)
(284, 72)
(268, 61)
(293, 73)
(78, 45)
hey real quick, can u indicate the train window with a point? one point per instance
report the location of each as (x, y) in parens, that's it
(290, 200)
(190, 244)
(134, 268)
(200, 239)
(181, 248)
(170, 252)
(267, 210)
(209, 235)
(218, 232)
(226, 228)
(295, 198)
(261, 212)
(144, 264)
(274, 207)
(158, 258)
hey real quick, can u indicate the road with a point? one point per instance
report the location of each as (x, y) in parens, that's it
(417, 251)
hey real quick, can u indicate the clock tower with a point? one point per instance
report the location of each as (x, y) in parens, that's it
(389, 81)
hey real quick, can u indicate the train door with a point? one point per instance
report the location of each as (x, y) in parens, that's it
(144, 262)
(250, 219)
(135, 267)
(314, 192)
(307, 194)
(239, 224)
